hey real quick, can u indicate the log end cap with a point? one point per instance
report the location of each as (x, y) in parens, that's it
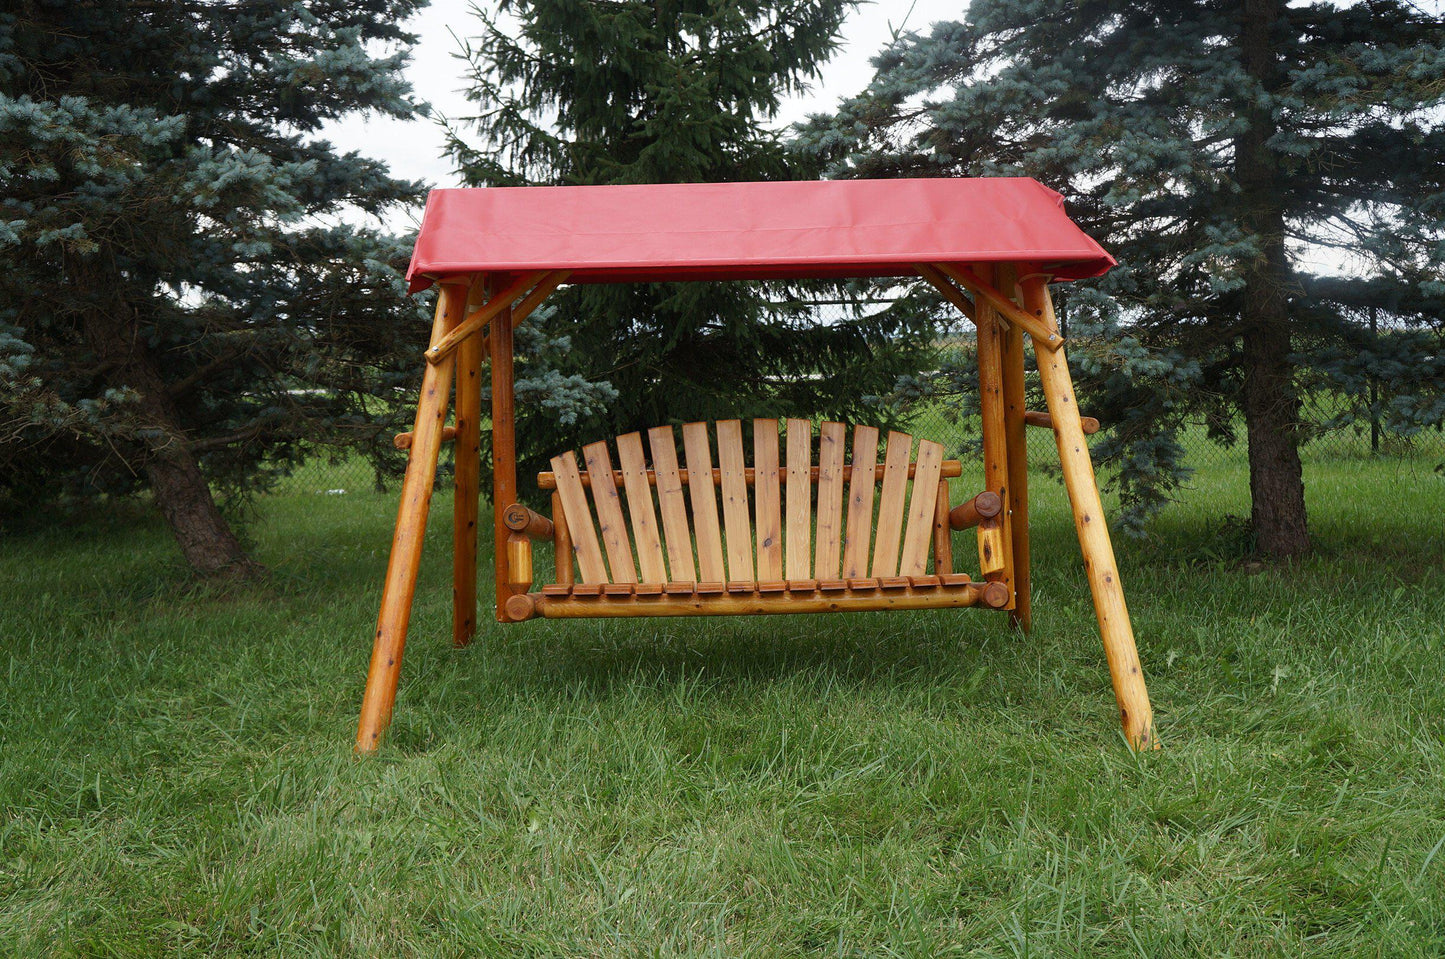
(521, 606)
(516, 517)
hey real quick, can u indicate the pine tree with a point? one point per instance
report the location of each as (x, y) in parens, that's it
(655, 91)
(1265, 172)
(180, 305)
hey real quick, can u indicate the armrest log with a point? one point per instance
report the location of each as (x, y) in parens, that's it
(520, 519)
(985, 505)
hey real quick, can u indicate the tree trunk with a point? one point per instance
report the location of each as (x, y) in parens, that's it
(1270, 402)
(165, 456)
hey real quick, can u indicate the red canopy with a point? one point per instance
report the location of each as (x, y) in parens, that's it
(730, 231)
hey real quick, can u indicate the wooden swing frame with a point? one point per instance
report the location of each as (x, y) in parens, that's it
(476, 315)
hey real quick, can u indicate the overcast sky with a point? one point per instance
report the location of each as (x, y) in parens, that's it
(414, 149)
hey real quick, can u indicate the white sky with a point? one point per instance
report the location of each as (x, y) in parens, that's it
(413, 149)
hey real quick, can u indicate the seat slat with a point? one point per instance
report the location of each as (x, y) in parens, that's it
(608, 504)
(704, 504)
(673, 504)
(737, 523)
(891, 502)
(800, 500)
(860, 502)
(767, 500)
(579, 518)
(916, 540)
(639, 508)
(831, 437)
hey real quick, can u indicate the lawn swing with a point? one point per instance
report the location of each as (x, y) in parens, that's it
(815, 520)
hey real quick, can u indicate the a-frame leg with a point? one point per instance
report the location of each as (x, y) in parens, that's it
(406, 544)
(1015, 442)
(1093, 530)
(468, 479)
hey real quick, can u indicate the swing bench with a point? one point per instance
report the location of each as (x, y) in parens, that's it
(767, 566)
(818, 518)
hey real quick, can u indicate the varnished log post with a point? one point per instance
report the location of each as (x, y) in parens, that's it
(406, 543)
(504, 454)
(519, 562)
(1093, 530)
(468, 480)
(1018, 462)
(995, 441)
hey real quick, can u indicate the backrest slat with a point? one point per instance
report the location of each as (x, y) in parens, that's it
(579, 518)
(609, 513)
(736, 520)
(914, 561)
(830, 501)
(800, 500)
(673, 504)
(767, 500)
(860, 502)
(890, 504)
(639, 508)
(704, 502)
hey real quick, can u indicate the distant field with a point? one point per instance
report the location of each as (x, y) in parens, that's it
(176, 775)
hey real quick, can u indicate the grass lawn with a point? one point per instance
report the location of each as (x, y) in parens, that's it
(176, 773)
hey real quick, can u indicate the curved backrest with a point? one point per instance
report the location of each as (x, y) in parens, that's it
(802, 509)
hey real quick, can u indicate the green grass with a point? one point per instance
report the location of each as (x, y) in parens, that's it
(176, 774)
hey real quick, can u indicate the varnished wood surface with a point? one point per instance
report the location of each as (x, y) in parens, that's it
(1135, 712)
(399, 587)
(862, 481)
(645, 534)
(891, 505)
(767, 499)
(810, 599)
(829, 555)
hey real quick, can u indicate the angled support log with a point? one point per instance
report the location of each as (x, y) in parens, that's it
(530, 302)
(401, 569)
(503, 299)
(945, 287)
(1044, 329)
(1108, 593)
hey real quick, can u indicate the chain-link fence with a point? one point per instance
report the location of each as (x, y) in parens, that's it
(1340, 425)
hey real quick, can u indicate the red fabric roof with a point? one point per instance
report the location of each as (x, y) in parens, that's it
(693, 231)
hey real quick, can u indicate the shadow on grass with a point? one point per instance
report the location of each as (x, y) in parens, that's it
(924, 659)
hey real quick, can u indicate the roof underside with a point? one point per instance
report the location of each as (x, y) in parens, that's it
(735, 231)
